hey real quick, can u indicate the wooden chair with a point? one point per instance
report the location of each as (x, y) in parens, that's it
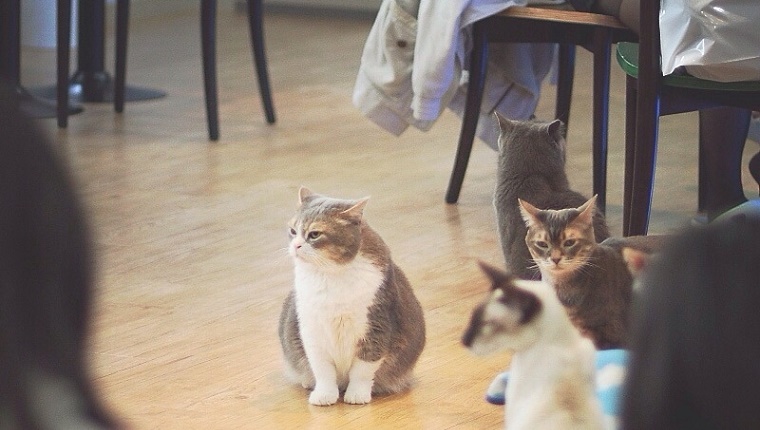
(649, 95)
(568, 28)
(208, 44)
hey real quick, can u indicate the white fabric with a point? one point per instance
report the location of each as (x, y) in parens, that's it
(413, 67)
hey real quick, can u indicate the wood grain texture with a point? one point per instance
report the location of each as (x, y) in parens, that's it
(562, 14)
(191, 238)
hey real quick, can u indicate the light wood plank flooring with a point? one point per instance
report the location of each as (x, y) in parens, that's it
(191, 234)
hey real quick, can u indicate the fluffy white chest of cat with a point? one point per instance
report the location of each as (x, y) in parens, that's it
(551, 387)
(333, 306)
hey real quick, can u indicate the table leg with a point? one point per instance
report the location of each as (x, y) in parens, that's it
(10, 63)
(91, 82)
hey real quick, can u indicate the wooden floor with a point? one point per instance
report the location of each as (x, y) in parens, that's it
(191, 234)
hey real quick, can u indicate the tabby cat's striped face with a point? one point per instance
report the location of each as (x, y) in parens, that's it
(325, 231)
(559, 246)
(560, 241)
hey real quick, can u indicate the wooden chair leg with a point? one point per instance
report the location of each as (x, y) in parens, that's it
(478, 61)
(256, 27)
(208, 47)
(565, 75)
(602, 49)
(63, 51)
(120, 73)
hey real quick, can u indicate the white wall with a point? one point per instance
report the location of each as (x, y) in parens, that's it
(38, 19)
(350, 5)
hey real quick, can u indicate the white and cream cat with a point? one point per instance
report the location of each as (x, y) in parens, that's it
(551, 382)
(352, 323)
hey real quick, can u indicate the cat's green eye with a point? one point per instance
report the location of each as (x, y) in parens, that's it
(569, 243)
(541, 244)
(292, 231)
(314, 235)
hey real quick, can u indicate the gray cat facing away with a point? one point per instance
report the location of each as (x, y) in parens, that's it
(352, 323)
(531, 167)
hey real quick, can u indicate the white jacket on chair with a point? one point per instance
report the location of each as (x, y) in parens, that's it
(413, 67)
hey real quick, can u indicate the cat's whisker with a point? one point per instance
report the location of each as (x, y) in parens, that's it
(281, 254)
(588, 265)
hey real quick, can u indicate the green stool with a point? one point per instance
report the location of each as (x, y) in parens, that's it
(650, 95)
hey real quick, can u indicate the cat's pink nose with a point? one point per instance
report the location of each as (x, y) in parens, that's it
(556, 260)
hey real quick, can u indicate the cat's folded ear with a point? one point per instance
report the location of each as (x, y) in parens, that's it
(357, 210)
(303, 194)
(528, 212)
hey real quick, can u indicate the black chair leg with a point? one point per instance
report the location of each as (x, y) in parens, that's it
(478, 60)
(647, 124)
(565, 75)
(602, 50)
(208, 47)
(256, 26)
(63, 51)
(754, 169)
(645, 154)
(122, 34)
(701, 164)
(722, 134)
(630, 149)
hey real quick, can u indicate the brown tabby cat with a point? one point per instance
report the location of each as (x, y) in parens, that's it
(592, 280)
(352, 323)
(531, 167)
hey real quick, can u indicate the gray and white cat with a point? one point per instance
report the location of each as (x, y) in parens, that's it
(594, 281)
(531, 167)
(551, 376)
(352, 323)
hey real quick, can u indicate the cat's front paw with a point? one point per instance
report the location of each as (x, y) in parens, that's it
(358, 393)
(324, 396)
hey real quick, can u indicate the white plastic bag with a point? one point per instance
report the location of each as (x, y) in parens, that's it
(717, 40)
